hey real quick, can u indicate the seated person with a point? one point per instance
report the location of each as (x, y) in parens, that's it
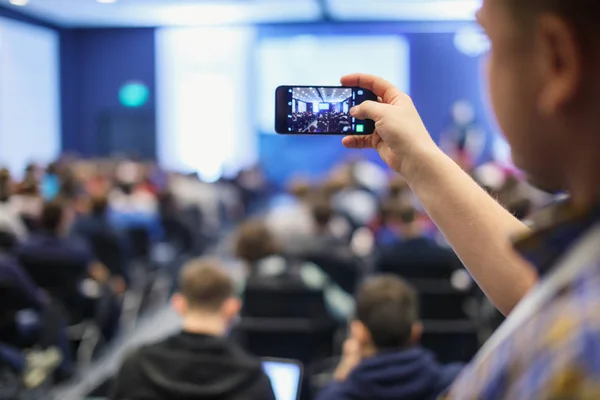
(10, 221)
(199, 362)
(382, 359)
(47, 328)
(58, 264)
(324, 248)
(258, 248)
(108, 244)
(413, 255)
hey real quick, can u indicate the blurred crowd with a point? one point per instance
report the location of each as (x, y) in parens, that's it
(83, 244)
(325, 121)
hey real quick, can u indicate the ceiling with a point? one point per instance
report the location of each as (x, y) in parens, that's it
(140, 13)
(321, 95)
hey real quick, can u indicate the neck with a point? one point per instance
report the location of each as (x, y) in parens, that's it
(204, 324)
(584, 181)
(411, 231)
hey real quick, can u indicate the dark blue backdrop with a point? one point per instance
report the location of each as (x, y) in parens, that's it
(95, 63)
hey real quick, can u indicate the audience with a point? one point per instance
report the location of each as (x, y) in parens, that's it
(59, 264)
(325, 249)
(199, 362)
(413, 255)
(109, 246)
(382, 358)
(264, 259)
(10, 221)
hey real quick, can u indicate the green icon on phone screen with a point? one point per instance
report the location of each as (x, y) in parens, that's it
(360, 128)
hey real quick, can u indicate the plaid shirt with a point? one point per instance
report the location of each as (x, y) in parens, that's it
(555, 354)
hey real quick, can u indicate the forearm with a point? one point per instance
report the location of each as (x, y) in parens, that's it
(477, 227)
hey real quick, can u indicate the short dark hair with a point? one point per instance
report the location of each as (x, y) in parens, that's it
(388, 307)
(255, 241)
(403, 213)
(99, 205)
(322, 212)
(52, 215)
(5, 189)
(205, 284)
(583, 14)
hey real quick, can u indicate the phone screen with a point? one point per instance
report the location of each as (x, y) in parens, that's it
(320, 110)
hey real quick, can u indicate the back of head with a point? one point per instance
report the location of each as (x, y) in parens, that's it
(387, 307)
(5, 185)
(205, 285)
(255, 241)
(99, 206)
(402, 214)
(322, 212)
(300, 189)
(52, 216)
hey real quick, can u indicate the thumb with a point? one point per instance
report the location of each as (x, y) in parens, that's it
(368, 110)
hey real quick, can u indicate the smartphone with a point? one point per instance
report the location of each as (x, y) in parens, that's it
(320, 110)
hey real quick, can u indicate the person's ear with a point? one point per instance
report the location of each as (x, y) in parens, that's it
(560, 61)
(416, 333)
(231, 308)
(179, 304)
(360, 333)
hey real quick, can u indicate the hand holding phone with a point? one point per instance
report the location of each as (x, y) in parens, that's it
(321, 110)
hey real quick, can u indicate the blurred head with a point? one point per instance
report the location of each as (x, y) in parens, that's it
(387, 315)
(255, 241)
(56, 217)
(300, 188)
(545, 86)
(5, 185)
(99, 206)
(322, 213)
(405, 218)
(206, 291)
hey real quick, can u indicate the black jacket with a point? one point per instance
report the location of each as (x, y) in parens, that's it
(192, 367)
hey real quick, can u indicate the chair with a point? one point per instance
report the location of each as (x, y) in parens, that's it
(305, 340)
(282, 297)
(283, 318)
(439, 300)
(451, 341)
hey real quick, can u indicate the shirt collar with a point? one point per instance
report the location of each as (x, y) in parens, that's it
(555, 229)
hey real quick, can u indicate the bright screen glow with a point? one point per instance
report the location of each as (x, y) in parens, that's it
(204, 123)
(285, 379)
(323, 60)
(29, 95)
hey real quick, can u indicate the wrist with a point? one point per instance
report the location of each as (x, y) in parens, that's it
(418, 158)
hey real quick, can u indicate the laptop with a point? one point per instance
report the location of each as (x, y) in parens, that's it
(285, 376)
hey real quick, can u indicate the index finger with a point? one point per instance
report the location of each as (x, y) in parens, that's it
(377, 85)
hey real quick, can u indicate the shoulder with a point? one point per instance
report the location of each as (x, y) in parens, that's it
(554, 354)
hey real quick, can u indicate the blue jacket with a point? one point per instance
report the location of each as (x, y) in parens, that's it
(411, 374)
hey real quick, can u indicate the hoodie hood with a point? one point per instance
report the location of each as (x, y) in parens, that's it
(190, 366)
(412, 374)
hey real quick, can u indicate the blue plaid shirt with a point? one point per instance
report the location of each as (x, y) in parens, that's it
(555, 354)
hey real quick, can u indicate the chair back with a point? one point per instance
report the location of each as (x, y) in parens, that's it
(439, 300)
(451, 341)
(283, 297)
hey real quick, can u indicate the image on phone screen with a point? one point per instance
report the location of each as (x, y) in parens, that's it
(320, 110)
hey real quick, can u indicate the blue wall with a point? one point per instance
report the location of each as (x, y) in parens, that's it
(95, 64)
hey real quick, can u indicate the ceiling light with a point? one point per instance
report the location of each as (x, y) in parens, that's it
(19, 3)
(106, 1)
